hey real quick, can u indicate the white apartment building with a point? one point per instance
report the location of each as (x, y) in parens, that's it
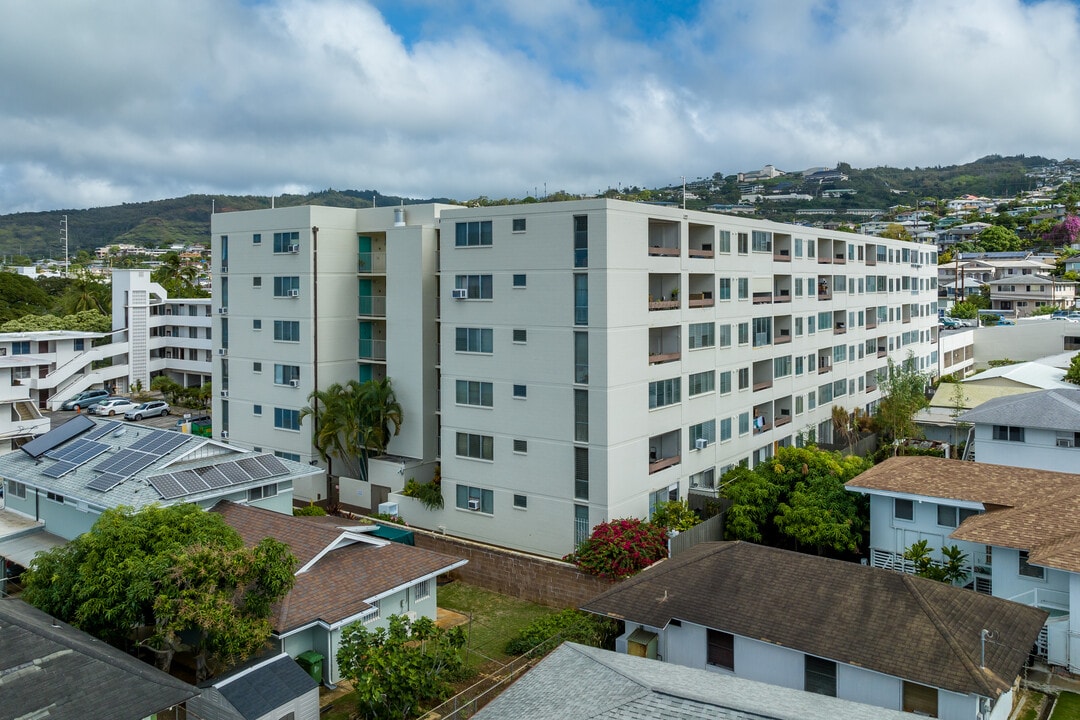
(576, 361)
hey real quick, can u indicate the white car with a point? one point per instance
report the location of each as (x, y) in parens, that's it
(112, 406)
(147, 409)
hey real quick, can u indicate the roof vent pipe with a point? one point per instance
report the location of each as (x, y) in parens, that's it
(399, 217)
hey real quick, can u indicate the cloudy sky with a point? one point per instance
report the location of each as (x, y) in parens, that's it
(128, 100)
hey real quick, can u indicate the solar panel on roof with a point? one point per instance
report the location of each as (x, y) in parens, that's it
(167, 486)
(253, 468)
(102, 430)
(59, 469)
(213, 477)
(58, 436)
(191, 482)
(273, 465)
(160, 442)
(127, 462)
(105, 482)
(234, 473)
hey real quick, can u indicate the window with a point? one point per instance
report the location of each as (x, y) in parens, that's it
(485, 499)
(1008, 433)
(721, 649)
(702, 335)
(295, 457)
(256, 367)
(256, 324)
(521, 502)
(725, 241)
(256, 239)
(375, 612)
(1028, 570)
(744, 243)
(256, 282)
(80, 343)
(744, 378)
(782, 366)
(520, 336)
(581, 473)
(761, 241)
(478, 447)
(920, 699)
(703, 431)
(581, 416)
(762, 331)
(476, 287)
(286, 374)
(518, 225)
(725, 429)
(520, 391)
(16, 489)
(903, 509)
(286, 419)
(256, 409)
(819, 676)
(725, 288)
(474, 392)
(664, 392)
(287, 330)
(55, 497)
(799, 364)
(725, 336)
(20, 373)
(422, 590)
(701, 382)
(581, 358)
(475, 340)
(744, 423)
(472, 234)
(266, 491)
(285, 286)
(798, 247)
(581, 299)
(581, 241)
(20, 348)
(744, 288)
(744, 333)
(519, 280)
(284, 240)
(521, 446)
(798, 287)
(725, 382)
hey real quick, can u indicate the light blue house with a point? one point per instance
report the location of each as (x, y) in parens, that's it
(1017, 527)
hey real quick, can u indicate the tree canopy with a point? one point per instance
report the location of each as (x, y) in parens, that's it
(797, 500)
(1073, 373)
(170, 579)
(903, 394)
(86, 321)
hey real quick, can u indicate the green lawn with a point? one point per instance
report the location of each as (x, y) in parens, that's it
(1067, 708)
(495, 619)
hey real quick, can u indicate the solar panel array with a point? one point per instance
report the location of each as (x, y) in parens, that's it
(160, 442)
(234, 472)
(76, 454)
(127, 462)
(104, 429)
(57, 436)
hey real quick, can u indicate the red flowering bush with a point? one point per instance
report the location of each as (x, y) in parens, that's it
(620, 548)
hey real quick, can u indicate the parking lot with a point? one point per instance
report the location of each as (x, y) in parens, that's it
(164, 422)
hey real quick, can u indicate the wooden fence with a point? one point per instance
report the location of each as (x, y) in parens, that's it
(706, 531)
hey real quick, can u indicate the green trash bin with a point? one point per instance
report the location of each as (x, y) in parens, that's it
(311, 661)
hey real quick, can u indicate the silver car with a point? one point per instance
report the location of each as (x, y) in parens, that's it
(147, 409)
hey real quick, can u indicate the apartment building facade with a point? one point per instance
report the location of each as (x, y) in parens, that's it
(565, 363)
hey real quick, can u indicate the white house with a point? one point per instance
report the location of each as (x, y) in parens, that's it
(1038, 430)
(1017, 527)
(563, 363)
(826, 626)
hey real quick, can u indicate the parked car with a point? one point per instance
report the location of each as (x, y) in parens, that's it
(950, 323)
(112, 406)
(147, 409)
(85, 399)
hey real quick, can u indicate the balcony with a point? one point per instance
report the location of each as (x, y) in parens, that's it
(763, 298)
(372, 306)
(761, 424)
(701, 252)
(871, 388)
(372, 350)
(702, 299)
(782, 336)
(371, 262)
(783, 296)
(871, 322)
(656, 466)
(871, 260)
(784, 419)
(763, 385)
(839, 328)
(782, 256)
(881, 352)
(660, 358)
(824, 260)
(839, 259)
(822, 369)
(663, 304)
(657, 251)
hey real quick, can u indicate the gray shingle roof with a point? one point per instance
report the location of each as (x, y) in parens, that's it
(1056, 409)
(576, 681)
(257, 692)
(896, 624)
(62, 672)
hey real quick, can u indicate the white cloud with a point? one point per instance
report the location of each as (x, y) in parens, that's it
(127, 100)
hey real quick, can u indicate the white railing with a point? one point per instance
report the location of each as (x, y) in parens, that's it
(1043, 598)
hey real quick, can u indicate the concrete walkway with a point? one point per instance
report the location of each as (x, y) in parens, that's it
(1048, 681)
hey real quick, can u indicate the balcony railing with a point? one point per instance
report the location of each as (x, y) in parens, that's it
(763, 385)
(372, 306)
(822, 369)
(701, 300)
(658, 358)
(824, 294)
(871, 388)
(784, 419)
(783, 296)
(762, 298)
(783, 336)
(699, 253)
(840, 259)
(663, 304)
(782, 256)
(663, 251)
(881, 352)
(372, 350)
(839, 329)
(824, 260)
(871, 260)
(371, 262)
(656, 466)
(871, 323)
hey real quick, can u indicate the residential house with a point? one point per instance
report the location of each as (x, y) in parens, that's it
(576, 682)
(57, 485)
(938, 420)
(49, 669)
(659, 331)
(810, 623)
(1029, 376)
(344, 575)
(268, 688)
(1017, 527)
(953, 234)
(1039, 430)
(1022, 295)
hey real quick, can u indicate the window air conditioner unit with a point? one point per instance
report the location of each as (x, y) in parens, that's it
(1064, 442)
(294, 248)
(474, 503)
(459, 293)
(224, 269)
(224, 393)
(223, 311)
(222, 351)
(701, 443)
(224, 434)
(294, 293)
(294, 383)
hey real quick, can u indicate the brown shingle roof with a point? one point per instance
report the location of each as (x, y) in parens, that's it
(892, 623)
(1027, 509)
(339, 585)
